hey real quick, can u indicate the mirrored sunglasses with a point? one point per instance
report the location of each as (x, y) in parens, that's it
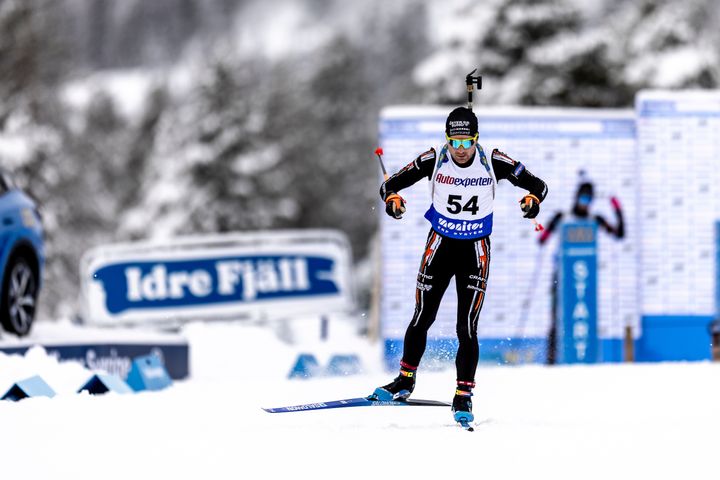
(461, 142)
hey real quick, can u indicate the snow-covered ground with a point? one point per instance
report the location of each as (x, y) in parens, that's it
(605, 422)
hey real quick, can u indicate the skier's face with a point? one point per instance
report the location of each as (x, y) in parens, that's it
(461, 154)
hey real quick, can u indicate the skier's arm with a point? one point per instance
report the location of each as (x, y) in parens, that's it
(411, 173)
(515, 172)
(618, 230)
(421, 167)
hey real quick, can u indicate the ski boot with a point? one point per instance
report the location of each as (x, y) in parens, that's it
(462, 404)
(398, 389)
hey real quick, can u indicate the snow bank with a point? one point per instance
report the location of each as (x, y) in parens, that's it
(63, 377)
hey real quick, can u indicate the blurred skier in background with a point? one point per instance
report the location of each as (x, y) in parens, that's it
(580, 211)
(463, 182)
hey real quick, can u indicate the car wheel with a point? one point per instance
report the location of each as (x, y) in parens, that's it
(19, 296)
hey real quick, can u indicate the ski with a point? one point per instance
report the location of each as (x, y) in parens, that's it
(357, 402)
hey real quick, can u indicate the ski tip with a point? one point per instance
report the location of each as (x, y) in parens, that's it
(378, 151)
(274, 409)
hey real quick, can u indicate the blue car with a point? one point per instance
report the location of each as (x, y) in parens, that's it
(22, 257)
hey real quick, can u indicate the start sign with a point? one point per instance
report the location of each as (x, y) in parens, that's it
(218, 276)
(577, 316)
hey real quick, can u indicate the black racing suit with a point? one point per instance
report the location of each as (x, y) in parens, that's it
(467, 260)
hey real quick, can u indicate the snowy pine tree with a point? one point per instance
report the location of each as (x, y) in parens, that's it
(506, 53)
(208, 161)
(669, 44)
(324, 125)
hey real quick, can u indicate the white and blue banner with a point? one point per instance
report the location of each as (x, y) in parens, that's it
(234, 275)
(678, 152)
(578, 301)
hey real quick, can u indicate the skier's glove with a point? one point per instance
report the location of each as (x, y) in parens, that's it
(615, 204)
(530, 205)
(394, 205)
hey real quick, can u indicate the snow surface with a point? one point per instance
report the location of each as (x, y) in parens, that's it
(607, 421)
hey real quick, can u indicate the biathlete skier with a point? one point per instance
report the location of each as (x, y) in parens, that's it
(458, 245)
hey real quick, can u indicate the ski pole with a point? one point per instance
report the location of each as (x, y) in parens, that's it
(379, 153)
(525, 306)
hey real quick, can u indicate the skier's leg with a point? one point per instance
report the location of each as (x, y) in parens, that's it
(432, 281)
(471, 283)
